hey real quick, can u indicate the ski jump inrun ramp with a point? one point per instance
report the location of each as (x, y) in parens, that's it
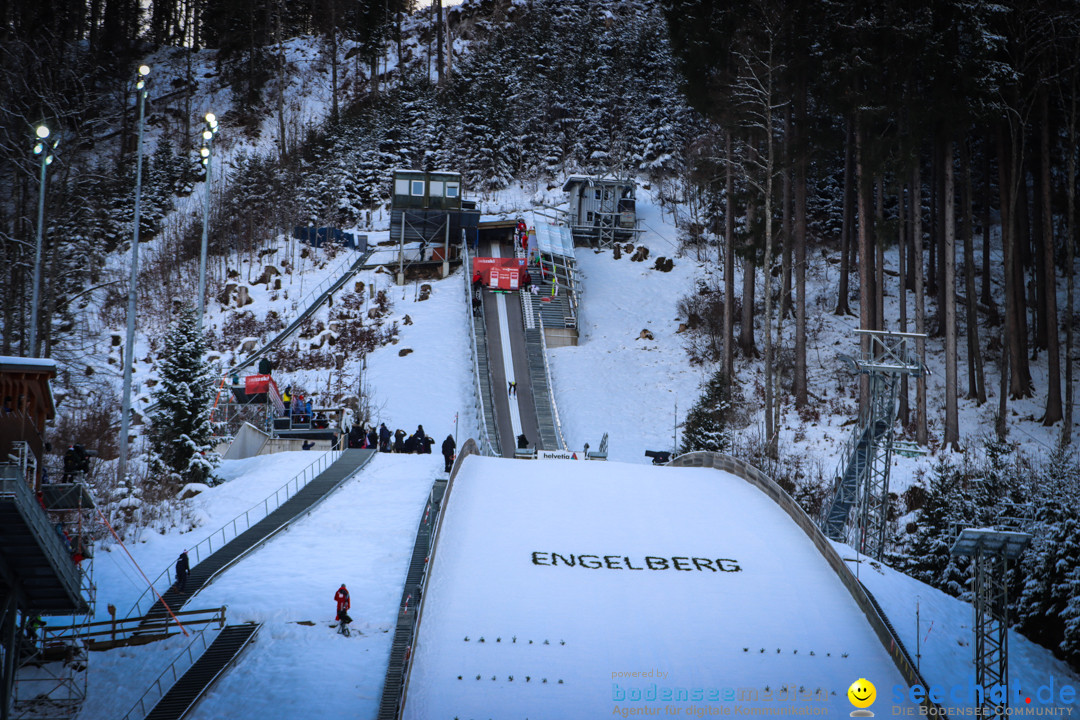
(574, 589)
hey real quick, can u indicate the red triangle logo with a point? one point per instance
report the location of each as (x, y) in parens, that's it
(573, 456)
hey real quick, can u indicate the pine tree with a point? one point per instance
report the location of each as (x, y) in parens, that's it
(707, 422)
(1046, 609)
(1070, 644)
(928, 552)
(180, 431)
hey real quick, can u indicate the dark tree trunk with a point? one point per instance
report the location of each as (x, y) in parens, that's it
(729, 258)
(932, 237)
(439, 38)
(938, 268)
(1053, 360)
(787, 221)
(903, 407)
(1014, 329)
(1070, 243)
(879, 252)
(799, 242)
(952, 421)
(867, 303)
(1037, 285)
(986, 297)
(921, 435)
(842, 307)
(746, 326)
(976, 380)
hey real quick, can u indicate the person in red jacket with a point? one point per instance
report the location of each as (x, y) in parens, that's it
(341, 597)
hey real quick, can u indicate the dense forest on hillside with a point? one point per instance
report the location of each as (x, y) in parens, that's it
(950, 130)
(781, 133)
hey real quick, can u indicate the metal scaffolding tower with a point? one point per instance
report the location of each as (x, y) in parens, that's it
(858, 511)
(992, 550)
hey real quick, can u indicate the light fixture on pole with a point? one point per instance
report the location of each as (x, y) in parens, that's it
(45, 149)
(207, 153)
(129, 347)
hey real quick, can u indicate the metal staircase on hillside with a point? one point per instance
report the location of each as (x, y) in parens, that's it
(858, 510)
(547, 415)
(401, 647)
(199, 677)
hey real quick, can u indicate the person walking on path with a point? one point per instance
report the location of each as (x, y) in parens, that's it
(183, 568)
(448, 448)
(511, 388)
(341, 597)
(384, 438)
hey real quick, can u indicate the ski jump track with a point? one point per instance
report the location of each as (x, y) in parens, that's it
(878, 623)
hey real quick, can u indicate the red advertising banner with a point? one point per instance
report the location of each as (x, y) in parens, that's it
(500, 272)
(255, 384)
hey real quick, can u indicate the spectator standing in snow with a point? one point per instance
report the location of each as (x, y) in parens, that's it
(183, 568)
(421, 442)
(448, 448)
(373, 438)
(384, 438)
(399, 441)
(341, 597)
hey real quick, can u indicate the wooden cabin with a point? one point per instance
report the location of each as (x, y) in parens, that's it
(418, 190)
(27, 406)
(428, 208)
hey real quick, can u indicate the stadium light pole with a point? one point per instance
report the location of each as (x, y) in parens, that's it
(43, 148)
(207, 153)
(143, 74)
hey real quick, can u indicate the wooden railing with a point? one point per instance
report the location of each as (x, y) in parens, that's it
(107, 634)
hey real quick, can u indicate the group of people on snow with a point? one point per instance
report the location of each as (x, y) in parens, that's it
(379, 438)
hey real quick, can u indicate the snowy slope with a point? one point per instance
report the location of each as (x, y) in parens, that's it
(361, 535)
(291, 665)
(549, 641)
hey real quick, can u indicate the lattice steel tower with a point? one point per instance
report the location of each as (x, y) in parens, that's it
(992, 551)
(858, 511)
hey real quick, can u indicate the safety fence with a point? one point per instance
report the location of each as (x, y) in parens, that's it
(484, 402)
(107, 634)
(176, 669)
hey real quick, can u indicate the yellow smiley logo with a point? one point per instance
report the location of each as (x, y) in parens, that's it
(862, 693)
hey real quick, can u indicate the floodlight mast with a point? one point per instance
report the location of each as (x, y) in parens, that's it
(42, 148)
(207, 153)
(141, 79)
